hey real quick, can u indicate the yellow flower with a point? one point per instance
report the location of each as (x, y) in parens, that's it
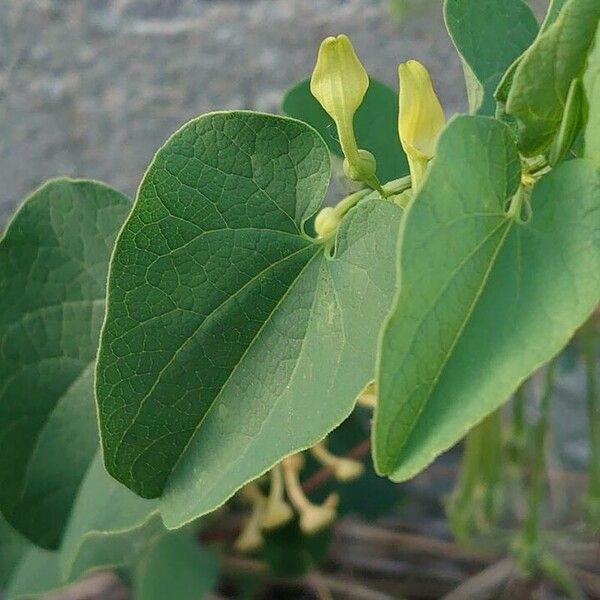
(339, 82)
(421, 117)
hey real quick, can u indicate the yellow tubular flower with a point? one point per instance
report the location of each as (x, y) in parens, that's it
(344, 469)
(312, 517)
(277, 511)
(421, 118)
(250, 538)
(339, 82)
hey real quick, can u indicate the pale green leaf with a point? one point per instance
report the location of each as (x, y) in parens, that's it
(554, 8)
(375, 125)
(175, 567)
(109, 526)
(542, 79)
(36, 574)
(484, 301)
(12, 548)
(53, 266)
(231, 338)
(489, 36)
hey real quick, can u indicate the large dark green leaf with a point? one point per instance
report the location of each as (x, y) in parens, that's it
(483, 301)
(231, 338)
(489, 36)
(542, 79)
(375, 125)
(53, 266)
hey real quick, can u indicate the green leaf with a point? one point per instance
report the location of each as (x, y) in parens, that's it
(489, 36)
(36, 574)
(591, 86)
(109, 526)
(552, 13)
(231, 339)
(542, 79)
(53, 265)
(375, 125)
(175, 567)
(12, 548)
(484, 301)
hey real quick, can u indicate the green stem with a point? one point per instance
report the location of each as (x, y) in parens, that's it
(537, 165)
(538, 467)
(556, 572)
(474, 506)
(593, 407)
(517, 444)
(344, 205)
(397, 186)
(529, 548)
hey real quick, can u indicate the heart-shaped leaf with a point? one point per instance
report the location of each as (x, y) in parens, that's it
(483, 300)
(542, 79)
(489, 36)
(231, 338)
(375, 125)
(53, 266)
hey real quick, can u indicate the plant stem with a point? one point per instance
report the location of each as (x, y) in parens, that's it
(529, 550)
(475, 503)
(538, 467)
(593, 412)
(557, 573)
(518, 435)
(397, 186)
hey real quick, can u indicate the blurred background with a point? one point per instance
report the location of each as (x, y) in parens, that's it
(91, 88)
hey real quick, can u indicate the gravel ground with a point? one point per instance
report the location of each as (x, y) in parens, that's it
(92, 88)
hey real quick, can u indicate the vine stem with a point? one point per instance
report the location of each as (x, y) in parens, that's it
(593, 410)
(518, 426)
(532, 557)
(473, 506)
(536, 484)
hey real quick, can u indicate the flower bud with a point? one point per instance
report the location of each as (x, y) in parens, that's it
(421, 117)
(326, 221)
(363, 169)
(339, 82)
